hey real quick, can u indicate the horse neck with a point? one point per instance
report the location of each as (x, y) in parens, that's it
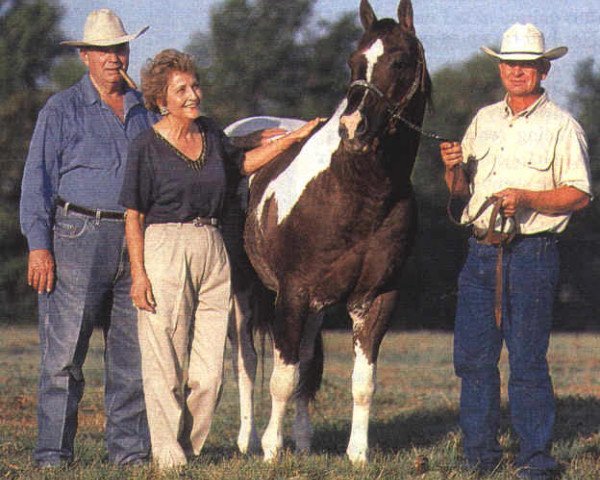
(398, 148)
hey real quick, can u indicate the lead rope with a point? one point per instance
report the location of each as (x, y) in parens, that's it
(501, 239)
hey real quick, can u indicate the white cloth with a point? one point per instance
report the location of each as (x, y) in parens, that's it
(541, 148)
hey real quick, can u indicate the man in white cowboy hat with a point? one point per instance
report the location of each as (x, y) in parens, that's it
(78, 264)
(532, 156)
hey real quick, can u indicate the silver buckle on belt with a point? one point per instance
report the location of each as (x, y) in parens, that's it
(203, 221)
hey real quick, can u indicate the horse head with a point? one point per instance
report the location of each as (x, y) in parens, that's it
(388, 75)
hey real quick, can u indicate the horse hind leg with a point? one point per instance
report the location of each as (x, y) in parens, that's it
(282, 385)
(368, 330)
(289, 314)
(244, 366)
(311, 373)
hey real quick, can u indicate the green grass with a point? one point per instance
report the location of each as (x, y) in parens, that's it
(414, 416)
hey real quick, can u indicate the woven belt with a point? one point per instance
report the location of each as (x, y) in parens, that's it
(69, 207)
(202, 221)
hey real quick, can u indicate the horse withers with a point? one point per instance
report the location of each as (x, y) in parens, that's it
(333, 220)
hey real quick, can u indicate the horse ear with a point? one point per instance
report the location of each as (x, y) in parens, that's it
(367, 15)
(405, 15)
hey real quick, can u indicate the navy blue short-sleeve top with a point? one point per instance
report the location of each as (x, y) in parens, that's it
(161, 184)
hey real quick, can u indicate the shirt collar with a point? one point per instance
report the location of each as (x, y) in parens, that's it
(529, 110)
(91, 95)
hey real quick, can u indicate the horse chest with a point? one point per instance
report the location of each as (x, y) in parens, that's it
(313, 159)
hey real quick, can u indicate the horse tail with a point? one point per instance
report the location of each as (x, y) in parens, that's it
(311, 371)
(263, 309)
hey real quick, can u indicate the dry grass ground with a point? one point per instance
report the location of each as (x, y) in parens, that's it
(414, 416)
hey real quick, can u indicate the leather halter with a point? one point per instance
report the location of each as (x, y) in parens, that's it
(395, 110)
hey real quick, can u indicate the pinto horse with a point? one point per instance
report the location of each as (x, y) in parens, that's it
(333, 220)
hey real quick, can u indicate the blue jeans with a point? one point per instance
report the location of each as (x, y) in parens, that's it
(530, 275)
(92, 289)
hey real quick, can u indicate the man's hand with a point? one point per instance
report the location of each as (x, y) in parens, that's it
(512, 200)
(141, 293)
(40, 270)
(451, 154)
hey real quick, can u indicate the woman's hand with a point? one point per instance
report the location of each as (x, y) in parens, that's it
(141, 293)
(306, 129)
(256, 158)
(258, 138)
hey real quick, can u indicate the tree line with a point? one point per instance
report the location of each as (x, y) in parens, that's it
(274, 58)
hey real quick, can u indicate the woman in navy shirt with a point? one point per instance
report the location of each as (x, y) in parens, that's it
(174, 190)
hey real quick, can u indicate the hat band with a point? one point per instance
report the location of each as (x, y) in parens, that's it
(521, 53)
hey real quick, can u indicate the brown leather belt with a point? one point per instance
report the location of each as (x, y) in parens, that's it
(69, 207)
(481, 236)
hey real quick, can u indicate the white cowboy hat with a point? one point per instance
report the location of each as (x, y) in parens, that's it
(103, 28)
(524, 42)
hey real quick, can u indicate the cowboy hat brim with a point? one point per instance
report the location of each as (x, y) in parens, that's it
(552, 54)
(104, 42)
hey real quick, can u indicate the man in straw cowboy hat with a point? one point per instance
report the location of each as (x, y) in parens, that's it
(532, 157)
(78, 264)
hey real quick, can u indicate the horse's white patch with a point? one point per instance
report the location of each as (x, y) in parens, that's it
(284, 379)
(372, 55)
(363, 377)
(314, 158)
(363, 387)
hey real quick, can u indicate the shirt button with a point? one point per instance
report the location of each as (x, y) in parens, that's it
(501, 149)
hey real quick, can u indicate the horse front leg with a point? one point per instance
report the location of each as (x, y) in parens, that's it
(311, 373)
(244, 366)
(286, 368)
(368, 329)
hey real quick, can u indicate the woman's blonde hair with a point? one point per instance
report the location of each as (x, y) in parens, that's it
(155, 75)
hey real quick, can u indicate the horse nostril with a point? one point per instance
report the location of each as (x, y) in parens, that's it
(343, 132)
(362, 127)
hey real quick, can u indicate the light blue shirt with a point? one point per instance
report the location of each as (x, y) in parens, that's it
(78, 152)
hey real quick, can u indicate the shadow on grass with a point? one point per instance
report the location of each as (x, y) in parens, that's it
(577, 417)
(423, 428)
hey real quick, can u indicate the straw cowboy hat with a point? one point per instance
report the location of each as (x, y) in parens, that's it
(103, 28)
(524, 42)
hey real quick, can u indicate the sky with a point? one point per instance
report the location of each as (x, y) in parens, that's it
(451, 30)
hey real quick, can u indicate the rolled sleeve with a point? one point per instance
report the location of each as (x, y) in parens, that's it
(572, 164)
(40, 181)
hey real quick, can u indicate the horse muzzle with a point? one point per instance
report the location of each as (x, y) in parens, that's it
(355, 133)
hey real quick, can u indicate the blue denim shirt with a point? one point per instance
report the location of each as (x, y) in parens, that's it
(78, 152)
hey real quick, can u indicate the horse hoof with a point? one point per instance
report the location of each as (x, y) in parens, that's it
(248, 444)
(270, 456)
(357, 458)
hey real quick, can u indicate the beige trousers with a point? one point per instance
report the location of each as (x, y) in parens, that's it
(183, 343)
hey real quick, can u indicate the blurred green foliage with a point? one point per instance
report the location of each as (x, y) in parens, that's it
(29, 37)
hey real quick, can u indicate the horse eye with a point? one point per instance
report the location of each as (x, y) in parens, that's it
(399, 64)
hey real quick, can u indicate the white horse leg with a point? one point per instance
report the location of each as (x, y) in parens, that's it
(244, 367)
(283, 382)
(302, 428)
(363, 388)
